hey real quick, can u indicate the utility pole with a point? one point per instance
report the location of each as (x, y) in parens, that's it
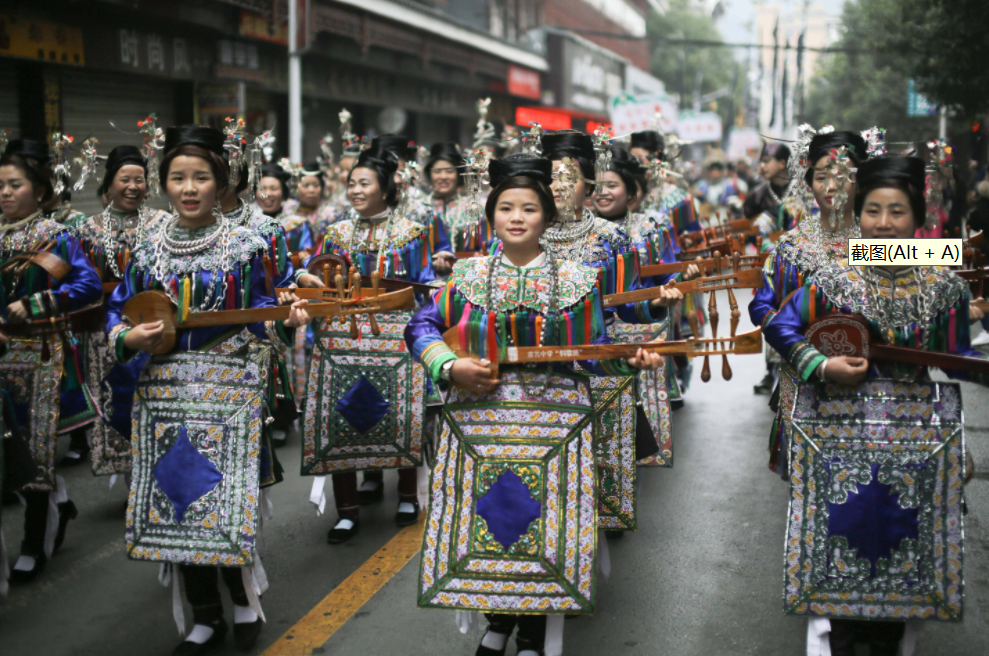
(294, 84)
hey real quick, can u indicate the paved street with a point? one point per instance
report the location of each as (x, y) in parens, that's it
(702, 576)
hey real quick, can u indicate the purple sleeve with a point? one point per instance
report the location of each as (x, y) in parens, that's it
(785, 329)
(82, 283)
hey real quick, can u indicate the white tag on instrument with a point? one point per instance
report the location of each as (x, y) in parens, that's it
(513, 354)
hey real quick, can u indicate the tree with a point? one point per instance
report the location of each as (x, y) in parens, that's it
(944, 44)
(692, 70)
(866, 86)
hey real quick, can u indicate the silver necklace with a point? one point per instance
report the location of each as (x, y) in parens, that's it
(569, 241)
(168, 250)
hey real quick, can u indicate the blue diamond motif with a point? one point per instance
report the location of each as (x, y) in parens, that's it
(363, 406)
(508, 508)
(185, 475)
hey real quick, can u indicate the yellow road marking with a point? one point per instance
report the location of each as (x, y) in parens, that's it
(336, 608)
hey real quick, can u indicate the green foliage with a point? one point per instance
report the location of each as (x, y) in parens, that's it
(944, 44)
(678, 65)
(856, 90)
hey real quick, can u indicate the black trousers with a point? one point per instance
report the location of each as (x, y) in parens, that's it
(883, 637)
(202, 590)
(35, 522)
(532, 629)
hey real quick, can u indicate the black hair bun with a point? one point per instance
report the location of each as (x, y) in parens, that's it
(118, 158)
(537, 168)
(648, 140)
(398, 145)
(210, 139)
(444, 152)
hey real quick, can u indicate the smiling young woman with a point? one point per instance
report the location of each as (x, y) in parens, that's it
(800, 253)
(445, 168)
(109, 239)
(923, 308)
(55, 401)
(520, 296)
(203, 263)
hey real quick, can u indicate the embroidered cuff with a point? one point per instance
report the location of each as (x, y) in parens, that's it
(805, 359)
(434, 357)
(116, 337)
(769, 317)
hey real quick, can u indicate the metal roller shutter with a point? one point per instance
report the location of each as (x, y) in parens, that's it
(9, 116)
(90, 100)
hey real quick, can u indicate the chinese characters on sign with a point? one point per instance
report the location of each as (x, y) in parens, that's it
(908, 252)
(38, 39)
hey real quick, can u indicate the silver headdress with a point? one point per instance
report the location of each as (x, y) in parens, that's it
(408, 182)
(532, 141)
(602, 151)
(475, 176)
(875, 141)
(840, 171)
(939, 176)
(87, 163)
(61, 165)
(484, 133)
(4, 139)
(154, 142)
(255, 158)
(235, 145)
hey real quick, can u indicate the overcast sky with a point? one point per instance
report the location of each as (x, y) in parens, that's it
(738, 23)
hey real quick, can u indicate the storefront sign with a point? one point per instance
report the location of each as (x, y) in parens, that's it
(150, 53)
(524, 82)
(584, 77)
(256, 26)
(634, 114)
(699, 127)
(37, 39)
(218, 99)
(550, 120)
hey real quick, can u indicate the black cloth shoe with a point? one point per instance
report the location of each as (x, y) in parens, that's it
(22, 576)
(365, 497)
(66, 512)
(488, 651)
(341, 535)
(187, 648)
(765, 387)
(676, 404)
(614, 535)
(246, 634)
(408, 519)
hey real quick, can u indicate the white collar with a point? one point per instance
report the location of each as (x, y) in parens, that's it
(538, 261)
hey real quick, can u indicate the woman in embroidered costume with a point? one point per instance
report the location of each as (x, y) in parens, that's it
(203, 263)
(271, 200)
(108, 239)
(673, 203)
(496, 430)
(378, 239)
(42, 374)
(278, 263)
(312, 207)
(59, 208)
(445, 170)
(418, 209)
(771, 205)
(617, 189)
(801, 252)
(924, 308)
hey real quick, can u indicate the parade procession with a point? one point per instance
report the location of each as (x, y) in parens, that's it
(453, 372)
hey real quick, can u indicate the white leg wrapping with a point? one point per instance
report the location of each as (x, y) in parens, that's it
(467, 621)
(55, 497)
(253, 587)
(168, 575)
(554, 636)
(317, 496)
(908, 645)
(267, 507)
(422, 486)
(113, 479)
(604, 557)
(818, 641)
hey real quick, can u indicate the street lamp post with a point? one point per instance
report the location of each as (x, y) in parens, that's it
(294, 84)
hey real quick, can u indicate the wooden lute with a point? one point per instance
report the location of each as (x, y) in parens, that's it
(151, 306)
(747, 343)
(848, 335)
(747, 279)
